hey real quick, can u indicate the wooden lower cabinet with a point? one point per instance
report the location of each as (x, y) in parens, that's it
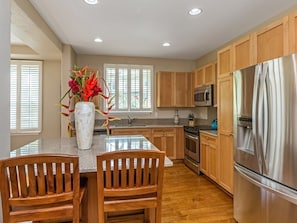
(170, 139)
(146, 132)
(226, 161)
(165, 140)
(209, 156)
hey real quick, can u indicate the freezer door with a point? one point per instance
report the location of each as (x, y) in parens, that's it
(246, 96)
(249, 200)
(259, 199)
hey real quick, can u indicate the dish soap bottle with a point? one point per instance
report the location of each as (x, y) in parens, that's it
(176, 118)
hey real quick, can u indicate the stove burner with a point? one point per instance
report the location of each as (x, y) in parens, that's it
(195, 129)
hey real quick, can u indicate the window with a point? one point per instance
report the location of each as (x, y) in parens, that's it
(25, 96)
(131, 85)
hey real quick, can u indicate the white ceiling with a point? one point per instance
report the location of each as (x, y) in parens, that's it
(139, 27)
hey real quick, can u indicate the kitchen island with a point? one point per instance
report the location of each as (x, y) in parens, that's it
(87, 158)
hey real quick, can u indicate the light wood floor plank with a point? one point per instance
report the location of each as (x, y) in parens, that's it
(189, 198)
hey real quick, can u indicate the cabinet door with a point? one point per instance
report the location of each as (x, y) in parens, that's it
(203, 155)
(199, 77)
(146, 132)
(165, 140)
(243, 53)
(209, 74)
(225, 132)
(212, 159)
(225, 104)
(190, 90)
(272, 41)
(226, 161)
(181, 84)
(224, 60)
(165, 89)
(180, 144)
(293, 32)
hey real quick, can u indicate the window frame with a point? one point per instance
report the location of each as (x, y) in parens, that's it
(18, 130)
(129, 67)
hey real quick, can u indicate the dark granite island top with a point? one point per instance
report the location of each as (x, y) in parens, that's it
(87, 158)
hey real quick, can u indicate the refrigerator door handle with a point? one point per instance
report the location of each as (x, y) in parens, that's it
(255, 113)
(282, 191)
(264, 143)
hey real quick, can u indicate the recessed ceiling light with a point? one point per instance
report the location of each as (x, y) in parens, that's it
(166, 44)
(91, 2)
(98, 40)
(195, 11)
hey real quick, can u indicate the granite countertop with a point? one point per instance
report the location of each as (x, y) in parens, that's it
(87, 158)
(210, 132)
(138, 126)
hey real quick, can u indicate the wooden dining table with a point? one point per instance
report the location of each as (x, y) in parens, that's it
(87, 158)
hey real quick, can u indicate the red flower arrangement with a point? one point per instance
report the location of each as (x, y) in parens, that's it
(84, 86)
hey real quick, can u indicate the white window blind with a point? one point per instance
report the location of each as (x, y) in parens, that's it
(25, 96)
(131, 85)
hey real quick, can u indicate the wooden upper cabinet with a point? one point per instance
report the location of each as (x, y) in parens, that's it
(209, 73)
(174, 89)
(165, 88)
(272, 41)
(199, 77)
(243, 53)
(293, 32)
(205, 75)
(225, 104)
(225, 61)
(182, 83)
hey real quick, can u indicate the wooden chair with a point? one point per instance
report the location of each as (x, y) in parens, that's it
(130, 180)
(42, 187)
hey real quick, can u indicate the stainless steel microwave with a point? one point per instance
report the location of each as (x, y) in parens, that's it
(203, 96)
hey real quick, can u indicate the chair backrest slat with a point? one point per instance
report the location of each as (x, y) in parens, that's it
(116, 173)
(13, 181)
(32, 181)
(138, 172)
(40, 179)
(59, 178)
(153, 179)
(131, 172)
(146, 172)
(124, 173)
(23, 180)
(108, 174)
(50, 179)
(67, 178)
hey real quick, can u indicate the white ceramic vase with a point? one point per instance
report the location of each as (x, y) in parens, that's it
(84, 114)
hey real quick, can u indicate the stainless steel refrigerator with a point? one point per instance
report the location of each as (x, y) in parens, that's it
(265, 151)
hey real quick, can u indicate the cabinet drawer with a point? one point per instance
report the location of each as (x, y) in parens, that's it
(164, 131)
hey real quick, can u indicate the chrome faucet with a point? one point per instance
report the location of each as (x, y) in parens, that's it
(130, 120)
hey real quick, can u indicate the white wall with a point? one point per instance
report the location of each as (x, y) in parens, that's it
(4, 80)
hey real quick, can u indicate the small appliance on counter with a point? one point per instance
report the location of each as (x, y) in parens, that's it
(176, 118)
(214, 124)
(191, 120)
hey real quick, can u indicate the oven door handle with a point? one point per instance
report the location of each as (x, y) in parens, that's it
(192, 137)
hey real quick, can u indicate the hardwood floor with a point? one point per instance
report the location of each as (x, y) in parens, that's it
(191, 198)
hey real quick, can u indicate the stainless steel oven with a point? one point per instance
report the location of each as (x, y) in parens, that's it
(192, 150)
(192, 147)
